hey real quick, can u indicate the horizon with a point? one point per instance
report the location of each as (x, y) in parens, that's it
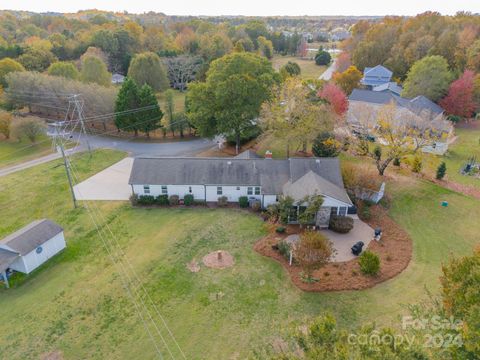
(250, 8)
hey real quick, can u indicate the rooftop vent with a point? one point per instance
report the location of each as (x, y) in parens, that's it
(317, 161)
(229, 163)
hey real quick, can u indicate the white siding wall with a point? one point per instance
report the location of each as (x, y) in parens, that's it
(231, 192)
(198, 191)
(32, 260)
(269, 199)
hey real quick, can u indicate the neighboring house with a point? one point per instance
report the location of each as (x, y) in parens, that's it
(339, 34)
(263, 180)
(118, 79)
(31, 246)
(362, 99)
(375, 76)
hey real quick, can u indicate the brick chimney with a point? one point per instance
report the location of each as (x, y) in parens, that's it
(268, 154)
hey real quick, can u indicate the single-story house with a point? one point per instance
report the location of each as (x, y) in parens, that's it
(361, 100)
(264, 180)
(375, 76)
(31, 246)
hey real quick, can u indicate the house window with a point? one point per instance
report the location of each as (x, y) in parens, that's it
(250, 190)
(190, 189)
(257, 190)
(146, 189)
(238, 188)
(219, 190)
(342, 211)
(333, 210)
(164, 189)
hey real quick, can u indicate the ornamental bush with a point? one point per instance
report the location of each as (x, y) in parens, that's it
(243, 201)
(284, 249)
(188, 199)
(340, 224)
(162, 200)
(256, 206)
(146, 200)
(369, 263)
(174, 200)
(441, 170)
(222, 201)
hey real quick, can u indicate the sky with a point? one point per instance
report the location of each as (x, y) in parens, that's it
(252, 7)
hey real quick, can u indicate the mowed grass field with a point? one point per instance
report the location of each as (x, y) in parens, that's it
(13, 151)
(76, 304)
(310, 70)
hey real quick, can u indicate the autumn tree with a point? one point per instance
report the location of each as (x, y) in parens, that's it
(29, 127)
(168, 121)
(460, 98)
(335, 97)
(94, 70)
(473, 56)
(147, 68)
(293, 116)
(37, 59)
(182, 70)
(64, 69)
(5, 124)
(430, 77)
(229, 100)
(290, 69)
(8, 65)
(312, 252)
(348, 80)
(342, 62)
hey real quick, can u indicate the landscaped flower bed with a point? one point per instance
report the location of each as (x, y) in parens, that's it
(394, 250)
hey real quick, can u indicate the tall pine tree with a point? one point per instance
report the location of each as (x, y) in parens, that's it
(149, 120)
(127, 99)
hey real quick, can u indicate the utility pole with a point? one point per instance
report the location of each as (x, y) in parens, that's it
(66, 163)
(78, 108)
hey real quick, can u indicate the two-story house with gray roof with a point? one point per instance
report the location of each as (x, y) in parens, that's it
(261, 179)
(375, 76)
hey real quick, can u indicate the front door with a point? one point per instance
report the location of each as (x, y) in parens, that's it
(323, 217)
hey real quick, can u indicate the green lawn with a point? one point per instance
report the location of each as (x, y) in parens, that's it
(310, 70)
(178, 100)
(13, 151)
(76, 304)
(466, 146)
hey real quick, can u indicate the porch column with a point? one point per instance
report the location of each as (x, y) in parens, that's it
(5, 279)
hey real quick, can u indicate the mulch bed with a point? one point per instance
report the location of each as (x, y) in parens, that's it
(394, 250)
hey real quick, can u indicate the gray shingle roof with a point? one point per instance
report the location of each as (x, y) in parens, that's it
(270, 174)
(31, 236)
(416, 105)
(376, 75)
(390, 86)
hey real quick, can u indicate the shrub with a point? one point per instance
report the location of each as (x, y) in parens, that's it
(243, 201)
(281, 229)
(256, 206)
(134, 199)
(174, 200)
(222, 201)
(369, 263)
(188, 199)
(162, 200)
(325, 145)
(417, 164)
(441, 170)
(340, 224)
(146, 200)
(284, 249)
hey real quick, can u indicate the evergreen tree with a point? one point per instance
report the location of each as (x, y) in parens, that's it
(148, 120)
(441, 170)
(127, 99)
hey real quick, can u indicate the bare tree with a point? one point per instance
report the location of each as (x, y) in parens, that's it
(182, 70)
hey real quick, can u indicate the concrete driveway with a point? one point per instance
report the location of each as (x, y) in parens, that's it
(343, 243)
(109, 184)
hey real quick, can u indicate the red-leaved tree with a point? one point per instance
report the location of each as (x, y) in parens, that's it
(335, 96)
(460, 98)
(343, 62)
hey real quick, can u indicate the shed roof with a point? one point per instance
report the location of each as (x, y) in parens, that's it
(31, 236)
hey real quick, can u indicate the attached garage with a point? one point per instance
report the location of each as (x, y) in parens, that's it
(30, 247)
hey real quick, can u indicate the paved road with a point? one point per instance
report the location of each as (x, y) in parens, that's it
(327, 75)
(134, 148)
(141, 148)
